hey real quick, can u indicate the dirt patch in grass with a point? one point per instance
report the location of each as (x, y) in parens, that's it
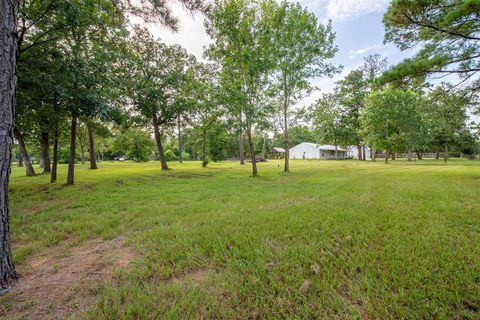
(350, 301)
(196, 277)
(63, 281)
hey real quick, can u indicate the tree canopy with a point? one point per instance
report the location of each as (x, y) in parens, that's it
(447, 32)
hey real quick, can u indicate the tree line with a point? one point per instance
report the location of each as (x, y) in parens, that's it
(101, 77)
(390, 118)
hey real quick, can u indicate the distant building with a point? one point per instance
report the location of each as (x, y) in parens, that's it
(277, 153)
(308, 150)
(352, 152)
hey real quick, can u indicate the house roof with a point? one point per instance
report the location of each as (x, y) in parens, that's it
(278, 149)
(323, 146)
(310, 144)
(330, 147)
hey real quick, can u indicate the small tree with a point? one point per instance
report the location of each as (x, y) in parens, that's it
(242, 44)
(158, 77)
(352, 91)
(301, 47)
(447, 115)
(329, 120)
(389, 118)
(134, 143)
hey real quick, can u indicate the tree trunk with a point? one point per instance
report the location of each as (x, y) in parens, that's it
(336, 151)
(45, 144)
(20, 161)
(387, 154)
(53, 176)
(91, 146)
(359, 148)
(419, 155)
(410, 157)
(82, 152)
(393, 154)
(180, 142)
(252, 150)
(8, 84)
(437, 155)
(363, 153)
(158, 140)
(373, 154)
(286, 167)
(73, 145)
(204, 151)
(240, 141)
(23, 152)
(446, 152)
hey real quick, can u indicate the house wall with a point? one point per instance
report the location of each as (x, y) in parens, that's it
(297, 152)
(352, 152)
(330, 155)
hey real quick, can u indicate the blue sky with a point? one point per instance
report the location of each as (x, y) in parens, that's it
(357, 23)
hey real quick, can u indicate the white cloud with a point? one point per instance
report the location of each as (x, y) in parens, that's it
(191, 34)
(347, 9)
(354, 53)
(342, 10)
(325, 85)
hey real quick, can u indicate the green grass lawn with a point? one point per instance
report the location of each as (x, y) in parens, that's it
(372, 241)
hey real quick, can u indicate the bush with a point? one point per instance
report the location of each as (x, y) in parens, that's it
(170, 155)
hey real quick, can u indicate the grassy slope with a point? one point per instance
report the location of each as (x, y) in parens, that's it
(392, 241)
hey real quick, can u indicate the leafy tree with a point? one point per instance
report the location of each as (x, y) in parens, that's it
(373, 67)
(242, 43)
(43, 22)
(159, 75)
(217, 141)
(389, 118)
(301, 48)
(330, 123)
(134, 143)
(352, 91)
(446, 30)
(447, 114)
(202, 93)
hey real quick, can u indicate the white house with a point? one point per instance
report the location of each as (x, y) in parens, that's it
(352, 152)
(307, 150)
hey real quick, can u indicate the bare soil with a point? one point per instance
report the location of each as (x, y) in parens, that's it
(61, 282)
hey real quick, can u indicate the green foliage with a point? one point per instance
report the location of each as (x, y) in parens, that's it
(136, 144)
(242, 45)
(446, 31)
(390, 118)
(447, 114)
(170, 155)
(158, 75)
(331, 124)
(217, 141)
(297, 134)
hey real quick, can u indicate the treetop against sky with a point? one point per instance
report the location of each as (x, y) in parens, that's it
(357, 23)
(358, 26)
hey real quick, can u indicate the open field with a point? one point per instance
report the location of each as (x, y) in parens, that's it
(332, 240)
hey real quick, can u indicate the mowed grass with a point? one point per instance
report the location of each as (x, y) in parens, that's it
(374, 241)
